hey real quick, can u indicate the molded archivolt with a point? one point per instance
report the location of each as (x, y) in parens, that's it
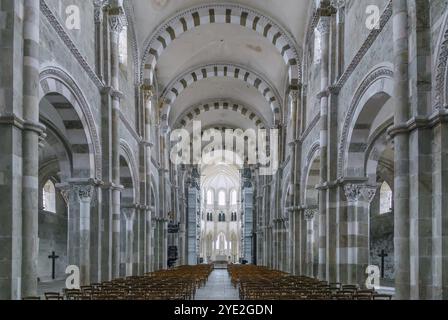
(311, 175)
(129, 172)
(378, 84)
(243, 16)
(228, 105)
(66, 97)
(172, 92)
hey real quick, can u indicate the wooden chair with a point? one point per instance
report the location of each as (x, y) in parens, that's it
(53, 296)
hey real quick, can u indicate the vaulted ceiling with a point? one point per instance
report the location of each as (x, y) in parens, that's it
(217, 32)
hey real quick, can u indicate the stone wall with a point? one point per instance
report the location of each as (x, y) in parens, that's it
(382, 238)
(53, 237)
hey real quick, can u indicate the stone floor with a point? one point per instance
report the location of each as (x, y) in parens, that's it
(218, 287)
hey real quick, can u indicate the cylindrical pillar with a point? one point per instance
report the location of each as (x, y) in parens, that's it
(31, 132)
(401, 144)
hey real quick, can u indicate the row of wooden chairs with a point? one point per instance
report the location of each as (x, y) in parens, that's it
(179, 283)
(260, 283)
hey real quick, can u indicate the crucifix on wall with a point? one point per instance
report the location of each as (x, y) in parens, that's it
(382, 256)
(53, 257)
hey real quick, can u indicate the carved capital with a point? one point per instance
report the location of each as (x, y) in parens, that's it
(84, 193)
(352, 192)
(310, 214)
(368, 193)
(147, 91)
(99, 6)
(324, 25)
(295, 95)
(338, 4)
(117, 19)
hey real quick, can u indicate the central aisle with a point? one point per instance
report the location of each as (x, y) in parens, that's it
(218, 287)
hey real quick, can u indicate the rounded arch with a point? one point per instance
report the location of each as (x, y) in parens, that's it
(310, 167)
(376, 87)
(311, 194)
(128, 174)
(221, 104)
(440, 98)
(222, 70)
(154, 195)
(224, 13)
(76, 113)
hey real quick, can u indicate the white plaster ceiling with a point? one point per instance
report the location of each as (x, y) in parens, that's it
(213, 88)
(221, 43)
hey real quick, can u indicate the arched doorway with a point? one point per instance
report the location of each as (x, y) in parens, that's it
(311, 198)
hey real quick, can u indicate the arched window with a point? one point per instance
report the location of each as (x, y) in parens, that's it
(385, 198)
(123, 47)
(222, 198)
(49, 197)
(210, 197)
(233, 197)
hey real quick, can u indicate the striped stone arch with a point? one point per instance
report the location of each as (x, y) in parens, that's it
(223, 104)
(226, 13)
(268, 91)
(128, 175)
(311, 176)
(67, 98)
(61, 147)
(377, 145)
(374, 90)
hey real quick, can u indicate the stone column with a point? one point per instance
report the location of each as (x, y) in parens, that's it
(401, 144)
(310, 215)
(299, 248)
(141, 251)
(85, 194)
(79, 194)
(324, 30)
(99, 36)
(147, 97)
(420, 140)
(363, 232)
(115, 27)
(269, 246)
(348, 252)
(129, 215)
(359, 197)
(440, 205)
(30, 139)
(339, 5)
(342, 235)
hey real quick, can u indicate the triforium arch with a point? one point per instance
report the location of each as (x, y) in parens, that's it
(224, 70)
(129, 215)
(227, 105)
(440, 93)
(311, 176)
(374, 90)
(61, 91)
(226, 13)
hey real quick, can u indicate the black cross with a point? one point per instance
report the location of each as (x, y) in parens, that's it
(53, 257)
(382, 256)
